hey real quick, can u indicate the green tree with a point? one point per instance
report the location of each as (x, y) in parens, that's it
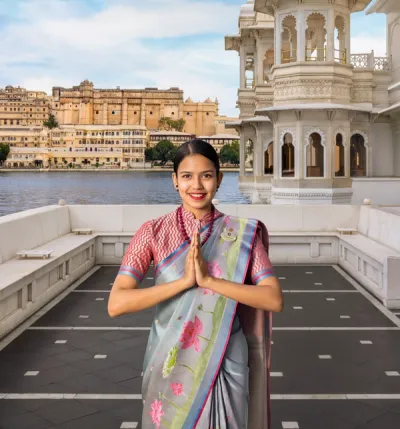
(230, 154)
(51, 122)
(161, 151)
(169, 124)
(149, 155)
(4, 151)
(249, 152)
(172, 153)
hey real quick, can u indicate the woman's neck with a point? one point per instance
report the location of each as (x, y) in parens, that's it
(198, 213)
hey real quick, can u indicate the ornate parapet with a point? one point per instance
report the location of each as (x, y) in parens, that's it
(369, 61)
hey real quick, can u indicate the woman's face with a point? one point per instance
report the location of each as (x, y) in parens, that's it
(197, 182)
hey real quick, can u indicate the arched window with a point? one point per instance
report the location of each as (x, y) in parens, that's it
(288, 167)
(269, 159)
(316, 38)
(339, 156)
(315, 156)
(340, 40)
(249, 71)
(289, 40)
(358, 156)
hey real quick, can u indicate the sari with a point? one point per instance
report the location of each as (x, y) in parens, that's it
(207, 360)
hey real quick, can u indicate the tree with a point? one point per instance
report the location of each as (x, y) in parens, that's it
(149, 155)
(249, 152)
(171, 154)
(169, 124)
(230, 154)
(161, 151)
(4, 151)
(51, 122)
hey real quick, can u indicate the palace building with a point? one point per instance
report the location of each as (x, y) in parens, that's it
(86, 105)
(20, 107)
(324, 121)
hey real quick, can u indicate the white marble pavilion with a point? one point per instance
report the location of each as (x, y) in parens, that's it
(324, 122)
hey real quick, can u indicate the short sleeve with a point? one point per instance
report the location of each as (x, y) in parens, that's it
(260, 266)
(139, 254)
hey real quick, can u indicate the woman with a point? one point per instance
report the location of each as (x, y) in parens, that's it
(202, 345)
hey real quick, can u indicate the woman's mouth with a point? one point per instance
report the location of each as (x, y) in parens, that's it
(197, 197)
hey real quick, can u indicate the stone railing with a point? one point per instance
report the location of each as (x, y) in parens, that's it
(369, 61)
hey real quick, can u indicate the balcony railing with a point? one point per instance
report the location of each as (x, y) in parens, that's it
(340, 56)
(316, 54)
(369, 61)
(288, 56)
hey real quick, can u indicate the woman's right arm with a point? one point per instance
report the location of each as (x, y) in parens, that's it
(125, 297)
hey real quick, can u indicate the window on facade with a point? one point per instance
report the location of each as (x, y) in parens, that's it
(288, 167)
(315, 156)
(113, 112)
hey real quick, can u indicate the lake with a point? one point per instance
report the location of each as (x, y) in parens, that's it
(26, 190)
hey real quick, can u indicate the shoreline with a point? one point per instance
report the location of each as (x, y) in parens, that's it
(97, 170)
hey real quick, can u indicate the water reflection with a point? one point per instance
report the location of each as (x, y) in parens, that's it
(23, 191)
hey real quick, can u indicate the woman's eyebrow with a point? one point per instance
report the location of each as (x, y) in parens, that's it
(202, 172)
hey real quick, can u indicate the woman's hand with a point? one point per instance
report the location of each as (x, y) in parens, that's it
(201, 266)
(189, 276)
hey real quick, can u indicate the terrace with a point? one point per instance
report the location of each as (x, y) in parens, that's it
(336, 347)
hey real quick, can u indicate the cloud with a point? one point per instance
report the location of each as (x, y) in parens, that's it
(131, 44)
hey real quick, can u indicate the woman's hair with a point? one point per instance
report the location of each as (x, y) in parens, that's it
(196, 147)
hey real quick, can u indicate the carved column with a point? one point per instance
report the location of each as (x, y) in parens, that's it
(242, 54)
(242, 152)
(301, 36)
(330, 34)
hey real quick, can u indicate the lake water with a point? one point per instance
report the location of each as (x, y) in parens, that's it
(27, 190)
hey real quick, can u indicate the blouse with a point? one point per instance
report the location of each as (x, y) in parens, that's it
(158, 238)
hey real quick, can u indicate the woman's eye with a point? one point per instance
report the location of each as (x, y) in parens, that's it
(208, 176)
(186, 176)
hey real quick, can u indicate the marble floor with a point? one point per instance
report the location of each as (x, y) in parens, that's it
(335, 359)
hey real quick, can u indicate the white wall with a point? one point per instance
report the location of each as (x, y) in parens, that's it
(382, 150)
(378, 190)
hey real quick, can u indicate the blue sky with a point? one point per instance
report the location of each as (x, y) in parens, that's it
(135, 44)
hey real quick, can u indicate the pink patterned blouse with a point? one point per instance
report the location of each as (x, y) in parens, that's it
(158, 238)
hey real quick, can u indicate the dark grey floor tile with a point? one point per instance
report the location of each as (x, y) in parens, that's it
(27, 420)
(318, 312)
(65, 411)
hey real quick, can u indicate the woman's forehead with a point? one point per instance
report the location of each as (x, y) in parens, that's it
(196, 162)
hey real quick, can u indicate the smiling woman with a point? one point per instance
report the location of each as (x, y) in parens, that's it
(208, 351)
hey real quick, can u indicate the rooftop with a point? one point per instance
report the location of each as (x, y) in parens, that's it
(336, 347)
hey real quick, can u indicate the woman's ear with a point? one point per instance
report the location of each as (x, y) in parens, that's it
(220, 177)
(174, 180)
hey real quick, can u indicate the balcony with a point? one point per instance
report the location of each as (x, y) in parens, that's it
(369, 61)
(335, 355)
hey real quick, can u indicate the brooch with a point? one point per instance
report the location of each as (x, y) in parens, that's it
(228, 234)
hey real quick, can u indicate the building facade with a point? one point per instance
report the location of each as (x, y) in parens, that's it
(76, 146)
(19, 107)
(314, 112)
(86, 105)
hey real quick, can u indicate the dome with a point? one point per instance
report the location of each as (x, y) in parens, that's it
(208, 100)
(189, 100)
(247, 10)
(43, 133)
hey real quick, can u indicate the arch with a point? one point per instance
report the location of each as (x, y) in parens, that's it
(287, 152)
(358, 154)
(340, 165)
(340, 42)
(269, 159)
(288, 39)
(249, 71)
(315, 153)
(316, 36)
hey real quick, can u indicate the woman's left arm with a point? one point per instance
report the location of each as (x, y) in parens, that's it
(267, 295)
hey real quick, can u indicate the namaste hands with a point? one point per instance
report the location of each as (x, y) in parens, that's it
(196, 268)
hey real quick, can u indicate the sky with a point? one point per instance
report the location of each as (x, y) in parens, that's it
(136, 44)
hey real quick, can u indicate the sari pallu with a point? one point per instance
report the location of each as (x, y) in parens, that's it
(196, 336)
